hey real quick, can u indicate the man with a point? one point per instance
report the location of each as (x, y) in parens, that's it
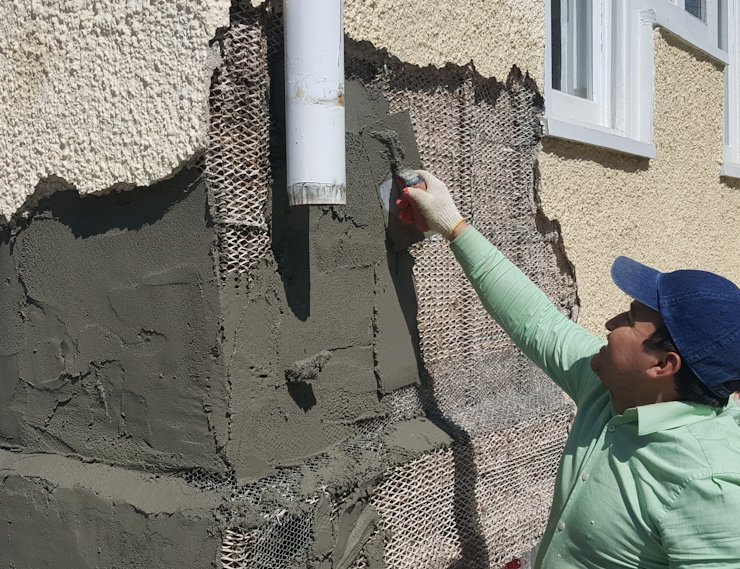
(650, 474)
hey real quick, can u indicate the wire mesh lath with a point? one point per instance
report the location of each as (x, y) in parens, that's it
(507, 419)
(238, 154)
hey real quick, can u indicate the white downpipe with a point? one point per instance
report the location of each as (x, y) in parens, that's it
(314, 101)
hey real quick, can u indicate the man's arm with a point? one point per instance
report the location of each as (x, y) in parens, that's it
(559, 346)
(556, 344)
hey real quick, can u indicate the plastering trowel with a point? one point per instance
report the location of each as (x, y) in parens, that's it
(391, 148)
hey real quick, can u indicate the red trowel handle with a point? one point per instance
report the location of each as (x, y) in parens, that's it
(409, 212)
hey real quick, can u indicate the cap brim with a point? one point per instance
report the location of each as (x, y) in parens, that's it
(637, 280)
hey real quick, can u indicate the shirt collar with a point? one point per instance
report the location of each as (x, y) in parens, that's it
(662, 416)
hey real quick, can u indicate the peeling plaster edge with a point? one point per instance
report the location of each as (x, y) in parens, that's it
(49, 185)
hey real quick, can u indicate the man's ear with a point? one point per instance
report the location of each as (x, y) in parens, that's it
(668, 365)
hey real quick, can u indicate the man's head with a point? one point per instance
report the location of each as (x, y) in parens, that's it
(688, 387)
(633, 372)
(680, 339)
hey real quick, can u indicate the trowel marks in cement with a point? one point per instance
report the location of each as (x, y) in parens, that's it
(68, 514)
(390, 139)
(109, 329)
(391, 148)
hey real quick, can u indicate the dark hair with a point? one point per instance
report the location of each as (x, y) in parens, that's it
(688, 386)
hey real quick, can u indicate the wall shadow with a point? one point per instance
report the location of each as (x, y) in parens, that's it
(290, 225)
(92, 215)
(606, 158)
(465, 503)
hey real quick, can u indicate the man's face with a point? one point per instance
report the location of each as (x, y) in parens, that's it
(622, 364)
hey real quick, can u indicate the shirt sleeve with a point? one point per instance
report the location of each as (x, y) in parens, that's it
(556, 344)
(701, 527)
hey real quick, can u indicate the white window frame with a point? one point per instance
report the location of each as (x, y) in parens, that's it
(619, 75)
(577, 109)
(731, 159)
(625, 75)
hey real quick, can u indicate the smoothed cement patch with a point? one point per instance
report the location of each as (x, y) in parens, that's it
(109, 329)
(337, 292)
(59, 512)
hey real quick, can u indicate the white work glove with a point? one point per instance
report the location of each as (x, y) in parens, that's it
(435, 205)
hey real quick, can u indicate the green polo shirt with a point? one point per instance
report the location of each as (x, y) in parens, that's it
(654, 487)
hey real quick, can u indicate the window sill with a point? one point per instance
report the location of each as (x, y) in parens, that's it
(729, 170)
(597, 137)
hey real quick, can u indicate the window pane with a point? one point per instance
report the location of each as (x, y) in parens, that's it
(722, 24)
(572, 47)
(697, 8)
(555, 44)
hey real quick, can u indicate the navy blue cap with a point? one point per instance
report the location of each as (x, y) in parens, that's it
(701, 311)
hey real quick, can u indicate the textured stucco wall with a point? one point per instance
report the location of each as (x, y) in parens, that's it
(671, 213)
(102, 93)
(494, 34)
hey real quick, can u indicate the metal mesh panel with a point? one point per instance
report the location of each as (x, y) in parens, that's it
(512, 491)
(238, 154)
(277, 544)
(485, 499)
(235, 548)
(360, 563)
(284, 538)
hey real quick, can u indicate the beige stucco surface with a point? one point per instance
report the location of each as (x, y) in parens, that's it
(494, 34)
(673, 212)
(102, 93)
